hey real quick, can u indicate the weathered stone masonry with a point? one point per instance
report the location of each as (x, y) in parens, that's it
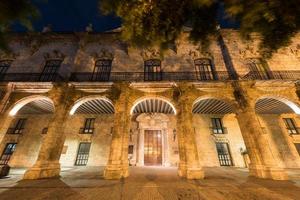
(177, 100)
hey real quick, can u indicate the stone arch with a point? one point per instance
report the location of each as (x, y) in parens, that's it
(213, 105)
(97, 103)
(153, 104)
(275, 105)
(39, 102)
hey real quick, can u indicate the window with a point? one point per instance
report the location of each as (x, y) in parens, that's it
(258, 68)
(130, 149)
(4, 65)
(83, 154)
(290, 125)
(7, 153)
(50, 70)
(88, 126)
(204, 69)
(224, 154)
(19, 127)
(217, 126)
(152, 70)
(298, 147)
(102, 70)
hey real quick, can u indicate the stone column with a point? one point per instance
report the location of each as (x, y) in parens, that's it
(47, 164)
(264, 163)
(141, 148)
(166, 148)
(117, 166)
(189, 165)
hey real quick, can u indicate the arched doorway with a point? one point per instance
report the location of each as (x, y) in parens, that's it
(215, 123)
(279, 119)
(152, 140)
(27, 126)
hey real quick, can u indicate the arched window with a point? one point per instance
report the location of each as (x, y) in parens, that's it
(102, 70)
(258, 68)
(204, 69)
(50, 71)
(152, 70)
(4, 65)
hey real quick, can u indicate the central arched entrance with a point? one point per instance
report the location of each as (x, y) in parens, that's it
(152, 141)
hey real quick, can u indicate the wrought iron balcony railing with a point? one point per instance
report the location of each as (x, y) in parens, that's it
(272, 75)
(151, 76)
(30, 77)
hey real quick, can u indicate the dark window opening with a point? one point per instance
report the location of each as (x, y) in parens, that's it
(130, 149)
(152, 70)
(4, 65)
(298, 147)
(102, 70)
(291, 126)
(7, 153)
(19, 127)
(50, 71)
(217, 126)
(83, 154)
(204, 69)
(88, 126)
(224, 154)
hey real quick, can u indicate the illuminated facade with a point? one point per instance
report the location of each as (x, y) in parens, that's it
(91, 100)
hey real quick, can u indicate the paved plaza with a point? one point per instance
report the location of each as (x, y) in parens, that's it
(150, 183)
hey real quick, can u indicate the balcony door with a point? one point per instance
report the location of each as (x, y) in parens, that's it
(102, 70)
(153, 147)
(152, 70)
(50, 70)
(258, 69)
(204, 69)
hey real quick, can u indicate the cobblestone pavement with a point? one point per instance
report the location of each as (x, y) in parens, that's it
(150, 183)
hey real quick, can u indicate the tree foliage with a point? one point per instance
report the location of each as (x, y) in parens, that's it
(159, 22)
(15, 11)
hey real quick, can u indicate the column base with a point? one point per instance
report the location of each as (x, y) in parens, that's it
(115, 172)
(40, 171)
(195, 173)
(182, 170)
(268, 172)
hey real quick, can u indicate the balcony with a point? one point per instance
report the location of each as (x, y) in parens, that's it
(150, 76)
(30, 77)
(272, 75)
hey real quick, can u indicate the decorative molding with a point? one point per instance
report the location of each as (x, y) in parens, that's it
(151, 53)
(250, 52)
(296, 51)
(153, 87)
(54, 54)
(103, 54)
(197, 53)
(8, 55)
(92, 87)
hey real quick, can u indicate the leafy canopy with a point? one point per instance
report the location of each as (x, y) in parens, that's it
(15, 11)
(159, 22)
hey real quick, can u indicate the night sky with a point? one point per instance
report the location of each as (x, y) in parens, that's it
(75, 15)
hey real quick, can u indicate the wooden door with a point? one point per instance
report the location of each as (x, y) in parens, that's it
(153, 147)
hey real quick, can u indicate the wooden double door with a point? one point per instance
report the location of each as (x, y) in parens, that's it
(153, 147)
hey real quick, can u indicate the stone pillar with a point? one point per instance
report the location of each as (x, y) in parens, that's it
(140, 161)
(189, 165)
(166, 147)
(264, 163)
(47, 164)
(117, 166)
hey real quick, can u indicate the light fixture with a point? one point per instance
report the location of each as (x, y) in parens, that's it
(174, 134)
(111, 131)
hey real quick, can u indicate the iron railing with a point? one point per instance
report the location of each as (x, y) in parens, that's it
(150, 76)
(31, 77)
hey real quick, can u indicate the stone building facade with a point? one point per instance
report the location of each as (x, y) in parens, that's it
(89, 99)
